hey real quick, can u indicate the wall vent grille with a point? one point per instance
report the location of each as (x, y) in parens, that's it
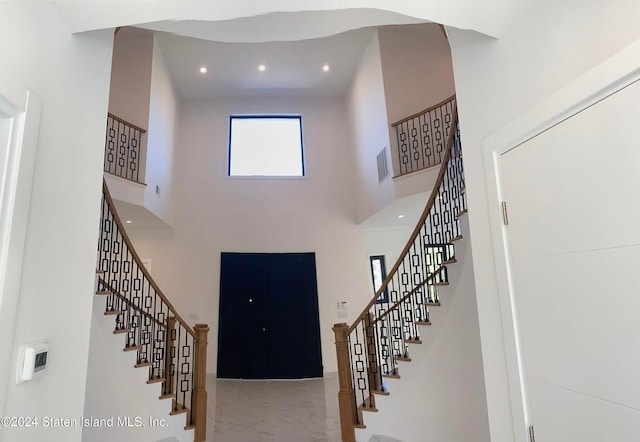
(383, 165)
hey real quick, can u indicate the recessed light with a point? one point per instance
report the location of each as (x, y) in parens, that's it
(326, 68)
(400, 216)
(128, 221)
(262, 68)
(203, 70)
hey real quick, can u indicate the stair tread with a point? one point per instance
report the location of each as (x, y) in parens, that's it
(457, 238)
(392, 376)
(462, 212)
(121, 331)
(103, 293)
(178, 410)
(402, 359)
(167, 396)
(380, 392)
(114, 312)
(413, 341)
(132, 348)
(155, 380)
(143, 364)
(449, 261)
(423, 322)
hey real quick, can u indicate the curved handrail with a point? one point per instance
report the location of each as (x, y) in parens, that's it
(136, 257)
(429, 109)
(423, 217)
(123, 121)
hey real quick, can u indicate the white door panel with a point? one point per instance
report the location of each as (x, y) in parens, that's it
(575, 187)
(564, 415)
(573, 196)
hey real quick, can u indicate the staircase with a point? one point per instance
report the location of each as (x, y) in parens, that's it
(379, 346)
(170, 354)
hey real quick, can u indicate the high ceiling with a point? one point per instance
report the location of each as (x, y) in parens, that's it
(291, 68)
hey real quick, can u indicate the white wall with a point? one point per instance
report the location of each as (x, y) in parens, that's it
(71, 76)
(219, 214)
(130, 76)
(387, 241)
(163, 116)
(402, 71)
(130, 86)
(417, 71)
(497, 80)
(115, 388)
(369, 126)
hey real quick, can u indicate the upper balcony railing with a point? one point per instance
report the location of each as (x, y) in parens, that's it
(122, 150)
(422, 137)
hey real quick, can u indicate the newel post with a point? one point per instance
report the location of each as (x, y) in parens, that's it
(345, 394)
(200, 383)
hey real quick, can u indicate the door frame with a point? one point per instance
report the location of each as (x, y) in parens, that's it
(22, 108)
(609, 77)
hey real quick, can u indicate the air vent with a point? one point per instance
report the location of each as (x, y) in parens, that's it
(383, 166)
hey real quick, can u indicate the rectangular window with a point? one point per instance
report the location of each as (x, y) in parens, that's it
(266, 145)
(378, 274)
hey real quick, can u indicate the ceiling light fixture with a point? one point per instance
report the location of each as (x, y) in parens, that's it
(203, 70)
(400, 216)
(262, 68)
(128, 221)
(326, 68)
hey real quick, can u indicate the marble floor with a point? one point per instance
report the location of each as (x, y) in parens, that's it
(268, 411)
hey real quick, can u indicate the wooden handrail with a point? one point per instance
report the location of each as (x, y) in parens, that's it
(423, 217)
(128, 179)
(429, 109)
(145, 272)
(123, 121)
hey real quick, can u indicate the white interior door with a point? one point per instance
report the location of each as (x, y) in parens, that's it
(573, 195)
(19, 129)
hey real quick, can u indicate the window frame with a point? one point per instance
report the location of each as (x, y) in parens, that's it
(384, 296)
(267, 116)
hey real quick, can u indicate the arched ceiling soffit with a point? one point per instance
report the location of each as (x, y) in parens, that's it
(281, 20)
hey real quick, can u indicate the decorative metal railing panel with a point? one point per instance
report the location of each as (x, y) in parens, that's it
(379, 337)
(422, 137)
(122, 149)
(164, 342)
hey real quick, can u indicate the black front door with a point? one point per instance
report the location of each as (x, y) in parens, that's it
(268, 318)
